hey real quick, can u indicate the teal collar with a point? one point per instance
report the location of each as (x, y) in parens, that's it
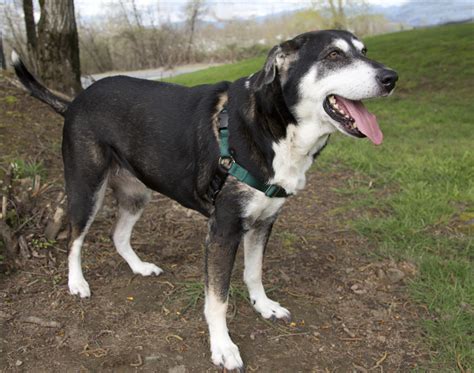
(240, 173)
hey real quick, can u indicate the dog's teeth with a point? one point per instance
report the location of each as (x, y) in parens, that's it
(346, 116)
(332, 100)
(354, 125)
(336, 106)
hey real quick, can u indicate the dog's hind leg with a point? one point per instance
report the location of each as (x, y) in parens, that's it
(83, 204)
(132, 196)
(221, 247)
(255, 241)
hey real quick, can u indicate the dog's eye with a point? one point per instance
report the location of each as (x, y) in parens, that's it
(334, 54)
(364, 51)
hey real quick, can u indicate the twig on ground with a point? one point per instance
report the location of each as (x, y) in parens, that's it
(40, 322)
(139, 363)
(6, 233)
(32, 283)
(4, 207)
(347, 331)
(458, 363)
(360, 368)
(55, 224)
(22, 225)
(167, 283)
(173, 336)
(380, 361)
(289, 335)
(96, 352)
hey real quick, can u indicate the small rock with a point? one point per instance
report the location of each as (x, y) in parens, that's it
(381, 339)
(356, 289)
(395, 275)
(18, 363)
(380, 273)
(152, 358)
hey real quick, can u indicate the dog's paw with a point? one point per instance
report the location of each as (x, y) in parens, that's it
(227, 356)
(270, 309)
(79, 287)
(147, 269)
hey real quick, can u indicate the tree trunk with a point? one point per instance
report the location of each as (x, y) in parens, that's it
(3, 64)
(194, 10)
(58, 47)
(30, 28)
(192, 25)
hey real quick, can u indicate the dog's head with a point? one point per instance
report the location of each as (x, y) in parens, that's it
(324, 75)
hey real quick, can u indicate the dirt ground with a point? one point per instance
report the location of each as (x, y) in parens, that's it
(350, 307)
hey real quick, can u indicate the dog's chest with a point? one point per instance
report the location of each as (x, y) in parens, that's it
(294, 155)
(260, 207)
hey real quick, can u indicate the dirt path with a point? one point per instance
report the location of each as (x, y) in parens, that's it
(350, 308)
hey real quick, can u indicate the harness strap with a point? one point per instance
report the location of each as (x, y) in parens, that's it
(227, 162)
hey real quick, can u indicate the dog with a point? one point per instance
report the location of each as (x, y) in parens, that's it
(137, 135)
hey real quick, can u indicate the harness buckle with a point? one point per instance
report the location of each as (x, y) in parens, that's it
(226, 162)
(273, 190)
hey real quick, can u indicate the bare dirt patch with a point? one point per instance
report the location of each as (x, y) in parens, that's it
(350, 307)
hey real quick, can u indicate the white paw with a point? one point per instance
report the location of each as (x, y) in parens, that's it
(270, 309)
(147, 269)
(79, 286)
(227, 356)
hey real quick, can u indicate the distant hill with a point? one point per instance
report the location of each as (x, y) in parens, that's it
(418, 13)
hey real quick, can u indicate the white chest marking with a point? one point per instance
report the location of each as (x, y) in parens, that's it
(294, 155)
(261, 207)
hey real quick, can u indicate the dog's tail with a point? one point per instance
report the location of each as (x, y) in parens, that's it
(36, 89)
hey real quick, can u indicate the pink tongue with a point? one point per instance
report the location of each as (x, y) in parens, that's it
(366, 122)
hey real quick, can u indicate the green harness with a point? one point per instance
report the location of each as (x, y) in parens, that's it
(233, 168)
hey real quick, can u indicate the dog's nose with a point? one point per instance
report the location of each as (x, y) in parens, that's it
(387, 78)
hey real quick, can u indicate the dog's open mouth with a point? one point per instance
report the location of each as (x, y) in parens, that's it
(353, 118)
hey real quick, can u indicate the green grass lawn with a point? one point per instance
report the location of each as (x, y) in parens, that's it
(424, 172)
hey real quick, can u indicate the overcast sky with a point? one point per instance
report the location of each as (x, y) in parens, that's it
(226, 9)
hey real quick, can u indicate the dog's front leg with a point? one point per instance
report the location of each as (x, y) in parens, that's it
(255, 241)
(221, 247)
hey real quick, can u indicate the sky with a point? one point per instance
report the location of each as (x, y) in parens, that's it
(223, 10)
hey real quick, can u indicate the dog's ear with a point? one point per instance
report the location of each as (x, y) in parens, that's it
(268, 73)
(278, 60)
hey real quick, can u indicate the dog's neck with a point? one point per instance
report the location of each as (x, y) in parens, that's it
(280, 149)
(272, 111)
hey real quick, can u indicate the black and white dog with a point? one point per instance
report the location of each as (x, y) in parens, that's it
(138, 135)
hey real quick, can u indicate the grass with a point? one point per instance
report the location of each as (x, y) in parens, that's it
(24, 168)
(193, 292)
(219, 73)
(427, 159)
(421, 179)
